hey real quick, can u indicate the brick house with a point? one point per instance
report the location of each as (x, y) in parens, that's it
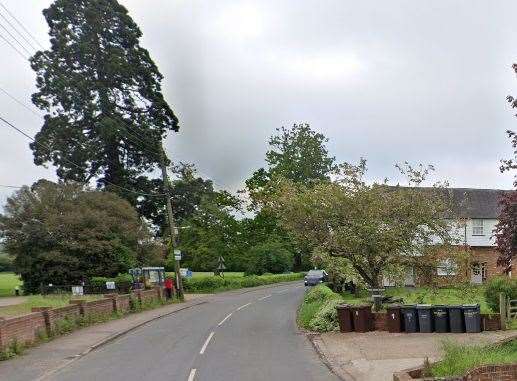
(476, 213)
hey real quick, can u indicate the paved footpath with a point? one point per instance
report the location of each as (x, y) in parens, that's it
(240, 335)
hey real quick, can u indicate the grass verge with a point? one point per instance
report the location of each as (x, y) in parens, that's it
(54, 301)
(458, 359)
(8, 281)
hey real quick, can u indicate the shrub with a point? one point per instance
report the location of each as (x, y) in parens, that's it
(123, 282)
(99, 281)
(269, 257)
(497, 285)
(325, 319)
(320, 293)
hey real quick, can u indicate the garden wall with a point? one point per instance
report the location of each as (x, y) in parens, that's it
(26, 329)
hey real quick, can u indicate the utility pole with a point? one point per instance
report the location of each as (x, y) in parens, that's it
(172, 225)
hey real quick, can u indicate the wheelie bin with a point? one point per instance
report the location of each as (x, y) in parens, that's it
(410, 318)
(425, 317)
(472, 318)
(393, 318)
(440, 318)
(456, 321)
(362, 317)
(344, 317)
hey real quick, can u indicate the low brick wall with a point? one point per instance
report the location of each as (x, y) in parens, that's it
(25, 329)
(505, 372)
(379, 321)
(491, 322)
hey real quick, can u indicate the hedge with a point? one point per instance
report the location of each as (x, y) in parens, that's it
(209, 283)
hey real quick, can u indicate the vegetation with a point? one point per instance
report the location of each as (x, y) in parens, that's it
(64, 234)
(209, 284)
(374, 227)
(105, 112)
(458, 359)
(8, 281)
(498, 285)
(269, 257)
(318, 309)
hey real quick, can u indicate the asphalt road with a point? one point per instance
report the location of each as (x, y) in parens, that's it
(235, 336)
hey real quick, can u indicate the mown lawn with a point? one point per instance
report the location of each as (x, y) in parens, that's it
(42, 301)
(459, 359)
(8, 281)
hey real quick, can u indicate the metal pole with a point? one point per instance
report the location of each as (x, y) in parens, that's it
(170, 216)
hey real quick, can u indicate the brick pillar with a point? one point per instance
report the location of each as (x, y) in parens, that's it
(114, 299)
(159, 292)
(81, 304)
(2, 322)
(46, 316)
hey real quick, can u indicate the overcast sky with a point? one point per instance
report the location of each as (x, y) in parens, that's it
(422, 81)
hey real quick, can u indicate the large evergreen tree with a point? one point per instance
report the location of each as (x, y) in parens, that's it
(101, 91)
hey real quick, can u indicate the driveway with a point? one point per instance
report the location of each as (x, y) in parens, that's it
(377, 355)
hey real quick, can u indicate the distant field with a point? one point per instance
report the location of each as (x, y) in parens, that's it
(42, 301)
(8, 281)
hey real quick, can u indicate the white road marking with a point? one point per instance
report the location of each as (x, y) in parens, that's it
(192, 374)
(226, 318)
(241, 307)
(281, 292)
(203, 349)
(265, 297)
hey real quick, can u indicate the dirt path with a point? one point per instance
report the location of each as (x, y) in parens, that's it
(12, 300)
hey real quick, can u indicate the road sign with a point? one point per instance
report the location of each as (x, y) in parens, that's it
(177, 255)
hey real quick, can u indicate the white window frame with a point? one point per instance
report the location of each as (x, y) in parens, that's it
(447, 267)
(478, 228)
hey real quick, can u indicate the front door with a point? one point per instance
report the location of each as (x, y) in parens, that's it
(477, 274)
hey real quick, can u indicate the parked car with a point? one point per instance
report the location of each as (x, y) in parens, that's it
(315, 277)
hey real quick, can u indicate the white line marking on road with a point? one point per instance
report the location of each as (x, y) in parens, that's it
(192, 374)
(206, 343)
(265, 297)
(241, 307)
(226, 318)
(281, 292)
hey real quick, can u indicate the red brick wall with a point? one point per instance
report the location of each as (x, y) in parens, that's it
(505, 372)
(379, 321)
(489, 256)
(23, 329)
(72, 311)
(490, 322)
(99, 307)
(123, 304)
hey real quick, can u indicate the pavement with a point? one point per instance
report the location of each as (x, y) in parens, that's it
(239, 335)
(377, 355)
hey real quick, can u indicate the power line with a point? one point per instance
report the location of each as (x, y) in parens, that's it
(14, 28)
(14, 47)
(20, 102)
(21, 25)
(15, 39)
(120, 123)
(74, 164)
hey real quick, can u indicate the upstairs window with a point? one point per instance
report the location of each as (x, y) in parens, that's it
(477, 227)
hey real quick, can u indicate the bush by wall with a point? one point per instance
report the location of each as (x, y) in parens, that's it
(497, 285)
(208, 284)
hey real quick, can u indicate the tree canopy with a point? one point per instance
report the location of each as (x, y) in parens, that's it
(64, 234)
(105, 112)
(372, 226)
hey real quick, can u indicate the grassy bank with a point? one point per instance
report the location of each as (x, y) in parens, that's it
(8, 281)
(318, 309)
(459, 359)
(211, 283)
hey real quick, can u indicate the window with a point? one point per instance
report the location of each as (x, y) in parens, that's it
(477, 227)
(447, 267)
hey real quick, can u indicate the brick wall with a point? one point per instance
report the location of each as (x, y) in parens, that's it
(24, 329)
(489, 256)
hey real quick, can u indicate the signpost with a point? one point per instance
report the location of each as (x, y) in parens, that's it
(221, 267)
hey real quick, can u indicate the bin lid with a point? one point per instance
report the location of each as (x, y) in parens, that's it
(454, 306)
(393, 306)
(470, 306)
(408, 306)
(424, 306)
(361, 306)
(439, 306)
(343, 306)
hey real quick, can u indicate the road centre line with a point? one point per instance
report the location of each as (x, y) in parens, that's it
(226, 318)
(265, 297)
(203, 349)
(241, 307)
(192, 374)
